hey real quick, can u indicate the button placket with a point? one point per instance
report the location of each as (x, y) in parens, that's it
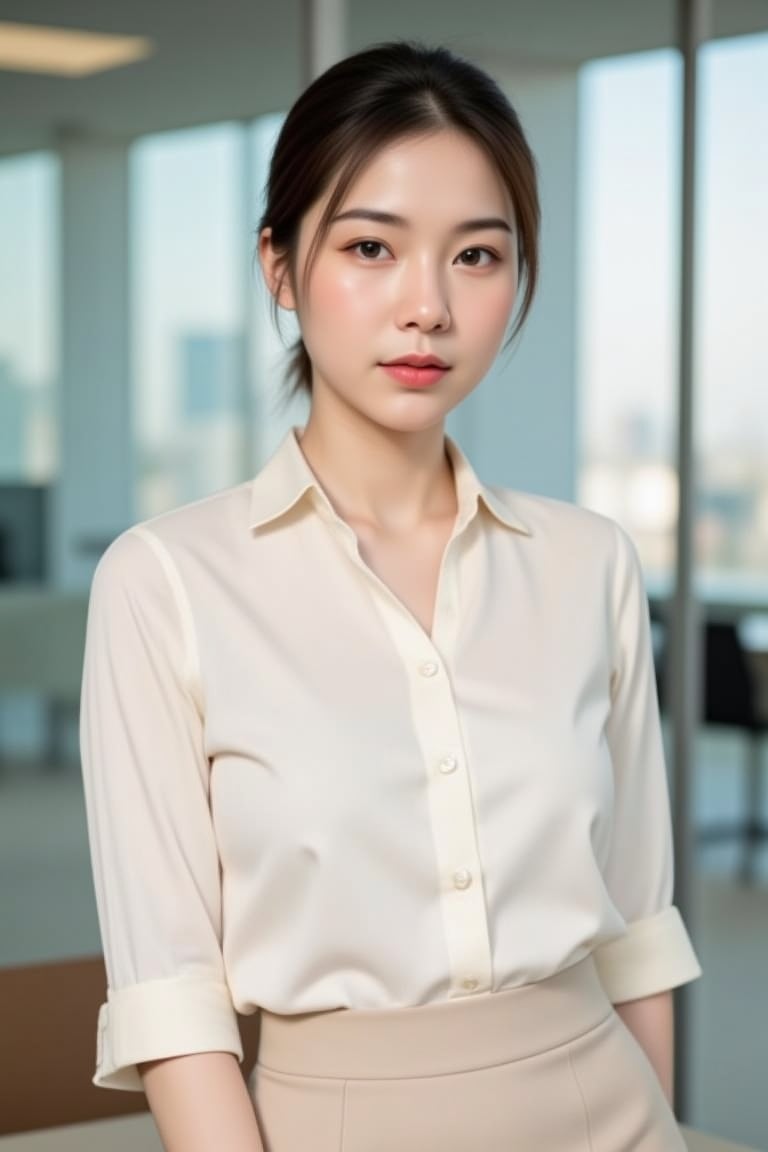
(454, 832)
(458, 871)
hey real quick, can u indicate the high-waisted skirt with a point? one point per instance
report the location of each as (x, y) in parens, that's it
(545, 1067)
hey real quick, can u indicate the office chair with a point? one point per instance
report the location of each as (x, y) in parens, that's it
(728, 701)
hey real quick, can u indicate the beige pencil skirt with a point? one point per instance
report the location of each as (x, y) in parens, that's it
(547, 1067)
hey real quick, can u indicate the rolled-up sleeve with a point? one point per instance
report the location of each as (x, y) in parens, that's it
(153, 850)
(655, 953)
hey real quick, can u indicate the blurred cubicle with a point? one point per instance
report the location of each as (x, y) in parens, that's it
(139, 370)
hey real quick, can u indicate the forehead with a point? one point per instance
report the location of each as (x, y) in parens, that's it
(442, 176)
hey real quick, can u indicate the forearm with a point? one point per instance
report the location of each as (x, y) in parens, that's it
(651, 1021)
(201, 1103)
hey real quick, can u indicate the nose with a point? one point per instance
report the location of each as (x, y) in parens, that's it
(423, 302)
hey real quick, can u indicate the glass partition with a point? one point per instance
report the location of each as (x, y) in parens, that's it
(628, 369)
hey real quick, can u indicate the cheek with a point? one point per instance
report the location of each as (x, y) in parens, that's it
(342, 296)
(488, 312)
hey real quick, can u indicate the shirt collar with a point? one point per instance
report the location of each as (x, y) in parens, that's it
(286, 479)
(470, 491)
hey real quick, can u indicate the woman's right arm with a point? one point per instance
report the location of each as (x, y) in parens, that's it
(157, 873)
(201, 1103)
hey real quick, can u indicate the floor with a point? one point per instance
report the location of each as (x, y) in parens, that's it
(47, 911)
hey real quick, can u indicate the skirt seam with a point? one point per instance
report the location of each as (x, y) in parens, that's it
(583, 1098)
(343, 1116)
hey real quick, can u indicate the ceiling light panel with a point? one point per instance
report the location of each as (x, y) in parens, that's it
(66, 51)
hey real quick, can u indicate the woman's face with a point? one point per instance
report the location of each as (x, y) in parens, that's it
(420, 260)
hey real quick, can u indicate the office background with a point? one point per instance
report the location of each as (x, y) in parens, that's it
(139, 369)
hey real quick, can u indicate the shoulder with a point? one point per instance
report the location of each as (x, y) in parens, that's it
(211, 518)
(563, 526)
(586, 559)
(152, 551)
(584, 551)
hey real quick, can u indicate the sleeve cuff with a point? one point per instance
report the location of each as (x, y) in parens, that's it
(655, 954)
(161, 1018)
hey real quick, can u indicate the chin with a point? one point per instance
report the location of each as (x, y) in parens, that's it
(429, 416)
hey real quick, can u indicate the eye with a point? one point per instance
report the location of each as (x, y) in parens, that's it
(476, 257)
(369, 249)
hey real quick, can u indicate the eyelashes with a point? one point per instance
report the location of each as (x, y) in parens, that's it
(370, 251)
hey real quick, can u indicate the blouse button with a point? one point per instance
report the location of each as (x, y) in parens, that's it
(462, 878)
(469, 983)
(448, 764)
(428, 668)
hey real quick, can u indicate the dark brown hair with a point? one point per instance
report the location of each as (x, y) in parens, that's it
(373, 98)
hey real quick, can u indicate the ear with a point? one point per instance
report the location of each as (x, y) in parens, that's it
(273, 266)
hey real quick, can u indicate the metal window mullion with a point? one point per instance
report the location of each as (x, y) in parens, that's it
(694, 25)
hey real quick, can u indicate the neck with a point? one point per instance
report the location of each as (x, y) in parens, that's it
(387, 479)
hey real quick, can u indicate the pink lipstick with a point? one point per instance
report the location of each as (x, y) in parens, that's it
(416, 371)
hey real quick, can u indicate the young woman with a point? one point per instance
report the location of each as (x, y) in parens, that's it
(371, 747)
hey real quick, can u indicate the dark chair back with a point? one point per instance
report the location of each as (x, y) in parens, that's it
(728, 688)
(729, 691)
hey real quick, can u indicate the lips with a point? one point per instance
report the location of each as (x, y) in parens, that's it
(416, 361)
(415, 375)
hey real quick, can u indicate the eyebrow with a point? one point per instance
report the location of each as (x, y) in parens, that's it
(377, 217)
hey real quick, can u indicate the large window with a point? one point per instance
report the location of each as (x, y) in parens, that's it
(732, 318)
(28, 307)
(189, 255)
(628, 296)
(629, 277)
(208, 361)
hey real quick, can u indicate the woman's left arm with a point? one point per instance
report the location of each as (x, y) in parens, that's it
(651, 1021)
(640, 968)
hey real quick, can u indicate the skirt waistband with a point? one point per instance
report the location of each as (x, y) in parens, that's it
(427, 1039)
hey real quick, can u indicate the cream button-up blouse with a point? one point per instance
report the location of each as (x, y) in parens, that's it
(299, 800)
